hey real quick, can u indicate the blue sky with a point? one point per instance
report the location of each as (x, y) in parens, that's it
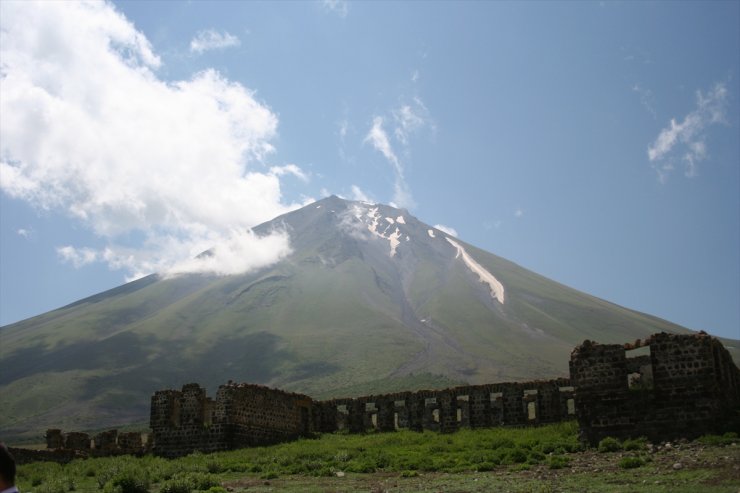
(593, 143)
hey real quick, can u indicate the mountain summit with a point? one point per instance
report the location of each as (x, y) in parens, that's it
(370, 299)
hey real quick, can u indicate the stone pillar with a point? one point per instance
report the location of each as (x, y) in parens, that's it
(54, 438)
(105, 441)
(513, 405)
(76, 440)
(386, 415)
(131, 442)
(356, 417)
(447, 412)
(415, 406)
(480, 408)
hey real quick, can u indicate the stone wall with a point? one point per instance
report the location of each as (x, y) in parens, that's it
(687, 386)
(108, 442)
(474, 406)
(242, 415)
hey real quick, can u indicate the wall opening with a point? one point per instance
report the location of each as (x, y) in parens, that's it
(571, 407)
(531, 410)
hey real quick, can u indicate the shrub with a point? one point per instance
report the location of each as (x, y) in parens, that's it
(178, 485)
(609, 444)
(515, 456)
(53, 486)
(631, 462)
(558, 461)
(635, 444)
(719, 440)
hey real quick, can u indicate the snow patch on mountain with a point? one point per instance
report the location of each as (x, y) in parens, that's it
(430, 232)
(371, 218)
(497, 289)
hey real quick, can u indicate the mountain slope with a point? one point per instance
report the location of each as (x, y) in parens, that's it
(371, 299)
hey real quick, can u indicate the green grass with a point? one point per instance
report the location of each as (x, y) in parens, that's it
(543, 459)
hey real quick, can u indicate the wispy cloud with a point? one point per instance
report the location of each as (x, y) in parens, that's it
(405, 121)
(24, 233)
(338, 7)
(359, 194)
(519, 212)
(446, 229)
(211, 39)
(290, 169)
(685, 141)
(180, 164)
(77, 256)
(378, 137)
(647, 100)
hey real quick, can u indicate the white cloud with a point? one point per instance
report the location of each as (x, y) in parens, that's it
(446, 229)
(518, 212)
(90, 130)
(25, 233)
(339, 7)
(685, 140)
(379, 139)
(290, 169)
(77, 256)
(211, 39)
(359, 194)
(407, 120)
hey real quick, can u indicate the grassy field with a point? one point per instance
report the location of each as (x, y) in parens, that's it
(543, 459)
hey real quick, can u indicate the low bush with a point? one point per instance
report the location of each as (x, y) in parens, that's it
(635, 444)
(719, 440)
(631, 462)
(609, 444)
(557, 461)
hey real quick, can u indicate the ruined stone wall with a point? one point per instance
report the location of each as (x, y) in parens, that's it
(475, 406)
(686, 387)
(259, 415)
(242, 415)
(105, 443)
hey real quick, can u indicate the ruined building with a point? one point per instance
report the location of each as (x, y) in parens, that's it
(244, 415)
(683, 385)
(678, 386)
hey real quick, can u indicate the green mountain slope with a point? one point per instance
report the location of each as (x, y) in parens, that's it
(370, 300)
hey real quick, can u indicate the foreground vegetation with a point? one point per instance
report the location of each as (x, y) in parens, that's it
(547, 458)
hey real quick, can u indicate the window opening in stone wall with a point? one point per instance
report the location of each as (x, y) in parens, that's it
(640, 368)
(374, 420)
(496, 396)
(395, 421)
(435, 415)
(531, 410)
(342, 408)
(430, 400)
(571, 406)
